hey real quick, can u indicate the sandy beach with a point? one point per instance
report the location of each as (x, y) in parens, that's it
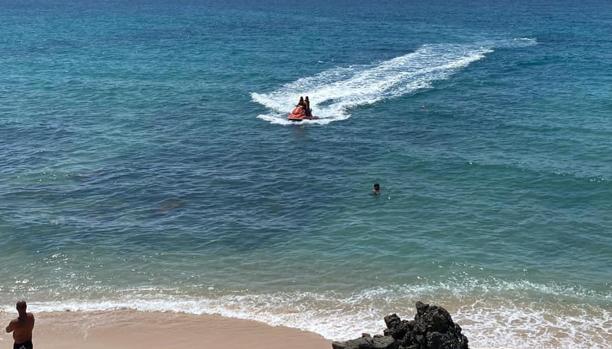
(151, 330)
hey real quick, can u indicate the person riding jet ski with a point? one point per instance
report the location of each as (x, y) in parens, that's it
(302, 111)
(307, 105)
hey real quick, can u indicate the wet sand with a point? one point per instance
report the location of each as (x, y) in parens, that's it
(152, 330)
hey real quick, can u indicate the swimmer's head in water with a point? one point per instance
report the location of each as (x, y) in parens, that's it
(376, 187)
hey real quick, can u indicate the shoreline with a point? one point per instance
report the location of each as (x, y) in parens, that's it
(135, 329)
(128, 326)
(128, 329)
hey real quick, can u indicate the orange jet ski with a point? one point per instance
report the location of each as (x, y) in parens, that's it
(299, 114)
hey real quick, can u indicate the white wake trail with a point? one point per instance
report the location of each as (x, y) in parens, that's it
(333, 93)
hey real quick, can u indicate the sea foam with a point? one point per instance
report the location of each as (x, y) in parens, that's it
(492, 314)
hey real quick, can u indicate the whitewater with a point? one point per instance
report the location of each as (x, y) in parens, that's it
(335, 92)
(484, 310)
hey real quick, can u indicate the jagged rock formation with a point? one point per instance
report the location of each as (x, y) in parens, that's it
(432, 328)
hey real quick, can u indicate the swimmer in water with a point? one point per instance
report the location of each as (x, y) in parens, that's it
(376, 189)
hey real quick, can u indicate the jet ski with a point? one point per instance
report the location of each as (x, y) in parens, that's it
(299, 114)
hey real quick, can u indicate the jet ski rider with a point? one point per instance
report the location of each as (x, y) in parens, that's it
(303, 107)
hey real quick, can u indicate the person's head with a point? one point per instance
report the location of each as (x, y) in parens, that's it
(376, 187)
(307, 98)
(21, 307)
(301, 99)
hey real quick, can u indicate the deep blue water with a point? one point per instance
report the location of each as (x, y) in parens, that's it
(145, 160)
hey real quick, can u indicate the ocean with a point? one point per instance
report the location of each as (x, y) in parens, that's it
(146, 162)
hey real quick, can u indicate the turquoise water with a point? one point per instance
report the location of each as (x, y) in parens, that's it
(145, 162)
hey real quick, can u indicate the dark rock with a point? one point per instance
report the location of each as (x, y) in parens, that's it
(437, 340)
(338, 345)
(432, 328)
(434, 340)
(397, 328)
(392, 320)
(384, 342)
(359, 343)
(421, 308)
(435, 319)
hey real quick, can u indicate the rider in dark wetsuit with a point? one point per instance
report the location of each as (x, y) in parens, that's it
(301, 103)
(308, 110)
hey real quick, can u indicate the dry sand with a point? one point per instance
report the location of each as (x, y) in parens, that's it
(156, 330)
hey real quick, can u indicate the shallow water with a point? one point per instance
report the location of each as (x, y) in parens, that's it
(145, 162)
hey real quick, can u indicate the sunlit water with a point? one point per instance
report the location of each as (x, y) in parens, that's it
(145, 162)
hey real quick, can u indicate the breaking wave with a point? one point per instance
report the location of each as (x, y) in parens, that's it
(493, 314)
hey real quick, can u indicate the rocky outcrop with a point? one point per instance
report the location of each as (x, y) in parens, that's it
(432, 328)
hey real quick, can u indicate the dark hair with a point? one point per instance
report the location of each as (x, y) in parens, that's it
(21, 305)
(376, 186)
